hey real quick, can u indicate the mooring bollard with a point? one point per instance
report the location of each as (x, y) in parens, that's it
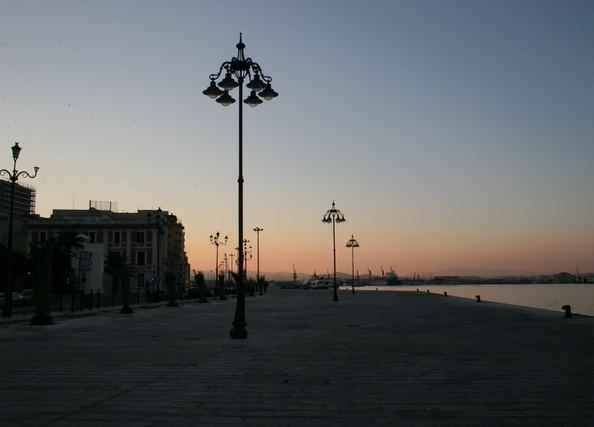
(478, 298)
(445, 294)
(428, 292)
(417, 289)
(567, 309)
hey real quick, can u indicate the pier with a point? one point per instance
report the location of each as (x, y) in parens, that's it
(373, 358)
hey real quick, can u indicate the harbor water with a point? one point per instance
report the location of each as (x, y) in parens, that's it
(548, 296)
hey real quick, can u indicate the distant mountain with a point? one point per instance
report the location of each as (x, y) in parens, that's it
(483, 272)
(288, 276)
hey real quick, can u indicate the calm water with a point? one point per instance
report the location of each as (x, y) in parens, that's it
(548, 296)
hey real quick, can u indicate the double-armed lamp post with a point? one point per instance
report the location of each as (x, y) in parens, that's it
(217, 241)
(333, 216)
(13, 177)
(241, 68)
(352, 243)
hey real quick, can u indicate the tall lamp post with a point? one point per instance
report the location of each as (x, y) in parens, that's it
(215, 240)
(13, 177)
(257, 230)
(352, 243)
(333, 216)
(241, 68)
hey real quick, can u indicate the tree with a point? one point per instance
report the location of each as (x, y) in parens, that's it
(201, 285)
(117, 266)
(170, 283)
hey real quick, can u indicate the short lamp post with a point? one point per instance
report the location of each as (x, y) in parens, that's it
(241, 68)
(333, 216)
(352, 243)
(13, 177)
(217, 241)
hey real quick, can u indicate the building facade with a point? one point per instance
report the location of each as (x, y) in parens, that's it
(24, 206)
(152, 240)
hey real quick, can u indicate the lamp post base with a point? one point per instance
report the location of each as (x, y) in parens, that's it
(239, 332)
(335, 296)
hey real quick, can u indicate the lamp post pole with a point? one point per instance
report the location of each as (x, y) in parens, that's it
(241, 68)
(333, 216)
(13, 177)
(158, 215)
(352, 243)
(259, 284)
(215, 240)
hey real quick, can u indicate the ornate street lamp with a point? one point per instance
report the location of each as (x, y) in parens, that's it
(333, 216)
(215, 240)
(241, 68)
(352, 243)
(13, 177)
(257, 230)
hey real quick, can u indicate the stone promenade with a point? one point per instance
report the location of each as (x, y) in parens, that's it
(390, 359)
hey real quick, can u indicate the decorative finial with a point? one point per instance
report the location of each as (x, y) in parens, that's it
(240, 45)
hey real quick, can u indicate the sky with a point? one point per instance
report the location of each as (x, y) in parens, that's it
(450, 134)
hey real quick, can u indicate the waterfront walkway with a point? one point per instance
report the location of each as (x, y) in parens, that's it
(408, 359)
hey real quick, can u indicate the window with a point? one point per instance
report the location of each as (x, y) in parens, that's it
(140, 258)
(42, 236)
(116, 237)
(140, 237)
(92, 237)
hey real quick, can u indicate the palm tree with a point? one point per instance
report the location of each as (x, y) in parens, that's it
(51, 261)
(117, 266)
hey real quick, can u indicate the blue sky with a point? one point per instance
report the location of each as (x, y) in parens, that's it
(450, 133)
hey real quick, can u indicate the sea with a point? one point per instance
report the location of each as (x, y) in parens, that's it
(548, 296)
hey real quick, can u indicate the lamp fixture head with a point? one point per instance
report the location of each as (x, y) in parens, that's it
(212, 91)
(228, 83)
(256, 83)
(225, 99)
(268, 93)
(253, 100)
(16, 150)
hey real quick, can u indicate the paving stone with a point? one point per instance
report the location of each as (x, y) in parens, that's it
(372, 358)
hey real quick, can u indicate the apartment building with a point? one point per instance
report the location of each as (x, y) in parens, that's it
(153, 240)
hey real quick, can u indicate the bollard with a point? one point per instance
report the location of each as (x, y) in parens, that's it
(428, 292)
(98, 299)
(445, 294)
(91, 301)
(478, 298)
(567, 309)
(417, 289)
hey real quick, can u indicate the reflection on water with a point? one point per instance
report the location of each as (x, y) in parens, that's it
(548, 296)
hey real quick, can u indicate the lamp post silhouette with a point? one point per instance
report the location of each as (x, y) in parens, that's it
(158, 218)
(215, 240)
(241, 68)
(257, 230)
(333, 216)
(13, 177)
(247, 254)
(352, 243)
